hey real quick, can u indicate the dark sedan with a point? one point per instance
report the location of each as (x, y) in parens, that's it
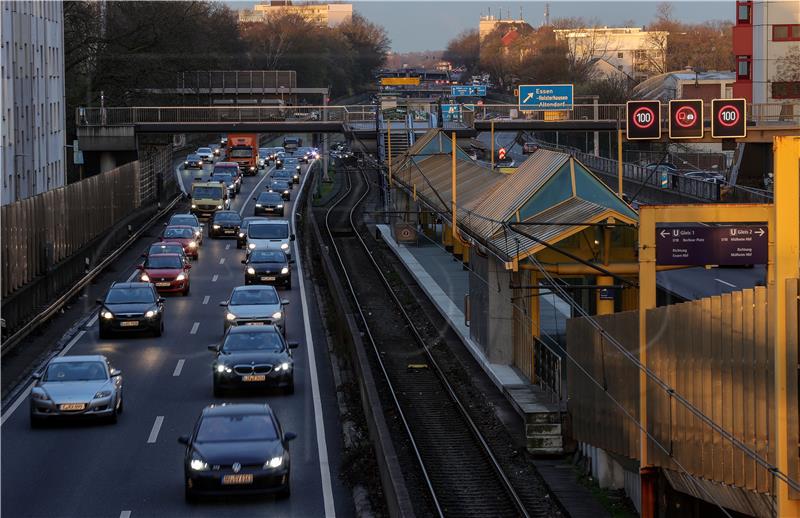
(269, 203)
(251, 357)
(282, 187)
(193, 161)
(268, 267)
(226, 223)
(239, 448)
(131, 306)
(284, 175)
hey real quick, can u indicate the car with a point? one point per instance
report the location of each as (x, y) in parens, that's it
(269, 202)
(279, 160)
(270, 234)
(189, 220)
(237, 448)
(225, 223)
(228, 180)
(285, 175)
(663, 167)
(129, 307)
(76, 386)
(169, 273)
(193, 161)
(241, 237)
(254, 305)
(184, 235)
(216, 149)
(253, 357)
(167, 247)
(206, 154)
(263, 157)
(233, 169)
(223, 141)
(268, 267)
(282, 187)
(706, 176)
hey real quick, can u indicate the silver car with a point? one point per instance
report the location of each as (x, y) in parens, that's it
(190, 220)
(76, 386)
(254, 305)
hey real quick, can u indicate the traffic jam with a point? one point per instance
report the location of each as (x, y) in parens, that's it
(253, 356)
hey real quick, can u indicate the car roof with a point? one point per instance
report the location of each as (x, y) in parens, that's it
(238, 330)
(225, 212)
(237, 409)
(203, 148)
(271, 222)
(226, 164)
(272, 193)
(167, 242)
(190, 155)
(183, 215)
(169, 254)
(179, 226)
(256, 287)
(130, 285)
(78, 358)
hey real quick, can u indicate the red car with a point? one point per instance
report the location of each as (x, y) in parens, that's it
(185, 236)
(167, 272)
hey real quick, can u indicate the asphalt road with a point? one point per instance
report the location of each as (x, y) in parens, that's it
(134, 468)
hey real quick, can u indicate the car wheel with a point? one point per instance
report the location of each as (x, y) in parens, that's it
(218, 392)
(289, 390)
(284, 493)
(104, 333)
(289, 284)
(36, 422)
(188, 494)
(159, 330)
(121, 404)
(186, 291)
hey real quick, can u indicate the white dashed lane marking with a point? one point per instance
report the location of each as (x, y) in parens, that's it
(206, 299)
(725, 283)
(221, 260)
(178, 367)
(214, 278)
(228, 246)
(125, 514)
(156, 428)
(195, 326)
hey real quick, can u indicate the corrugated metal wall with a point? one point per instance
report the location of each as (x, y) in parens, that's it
(717, 353)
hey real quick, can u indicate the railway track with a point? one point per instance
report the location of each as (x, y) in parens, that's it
(461, 474)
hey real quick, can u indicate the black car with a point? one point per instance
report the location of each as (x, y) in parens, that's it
(131, 306)
(282, 187)
(251, 357)
(228, 180)
(193, 161)
(269, 202)
(226, 223)
(241, 237)
(279, 162)
(285, 175)
(268, 267)
(239, 448)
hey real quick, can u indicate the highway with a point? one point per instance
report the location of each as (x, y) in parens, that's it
(134, 468)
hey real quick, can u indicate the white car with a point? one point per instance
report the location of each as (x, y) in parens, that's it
(206, 153)
(270, 234)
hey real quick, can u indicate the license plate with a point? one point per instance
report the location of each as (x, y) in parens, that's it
(254, 323)
(129, 323)
(162, 284)
(229, 231)
(254, 377)
(72, 406)
(238, 478)
(267, 278)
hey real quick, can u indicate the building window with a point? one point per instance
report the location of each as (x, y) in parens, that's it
(744, 12)
(619, 55)
(786, 32)
(786, 90)
(743, 67)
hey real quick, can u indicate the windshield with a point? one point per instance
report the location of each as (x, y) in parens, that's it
(225, 169)
(269, 341)
(165, 249)
(226, 216)
(180, 233)
(278, 186)
(222, 177)
(193, 157)
(76, 371)
(249, 297)
(241, 152)
(269, 197)
(204, 192)
(268, 231)
(263, 153)
(183, 219)
(204, 150)
(170, 261)
(225, 428)
(267, 256)
(130, 296)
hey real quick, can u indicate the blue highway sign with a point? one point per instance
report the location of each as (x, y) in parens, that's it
(468, 91)
(545, 97)
(451, 112)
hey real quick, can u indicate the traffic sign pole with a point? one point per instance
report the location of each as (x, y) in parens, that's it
(620, 187)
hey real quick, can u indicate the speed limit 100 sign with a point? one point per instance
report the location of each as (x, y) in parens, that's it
(728, 118)
(643, 120)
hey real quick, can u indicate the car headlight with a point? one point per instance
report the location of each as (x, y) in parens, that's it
(194, 206)
(274, 462)
(230, 316)
(150, 314)
(284, 270)
(215, 227)
(198, 464)
(219, 206)
(223, 368)
(145, 277)
(192, 244)
(186, 163)
(277, 315)
(241, 234)
(286, 191)
(107, 314)
(180, 277)
(285, 366)
(39, 394)
(102, 393)
(258, 205)
(284, 246)
(251, 270)
(196, 233)
(200, 162)
(279, 206)
(251, 246)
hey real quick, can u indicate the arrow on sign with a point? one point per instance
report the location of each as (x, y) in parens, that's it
(760, 232)
(528, 98)
(664, 233)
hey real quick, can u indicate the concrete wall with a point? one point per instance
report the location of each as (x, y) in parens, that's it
(491, 317)
(479, 300)
(32, 90)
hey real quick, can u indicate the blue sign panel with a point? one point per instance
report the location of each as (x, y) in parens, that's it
(545, 97)
(451, 112)
(468, 91)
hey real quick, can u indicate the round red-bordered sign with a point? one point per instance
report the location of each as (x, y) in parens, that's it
(725, 109)
(685, 116)
(643, 110)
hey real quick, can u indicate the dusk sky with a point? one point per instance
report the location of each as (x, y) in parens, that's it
(419, 26)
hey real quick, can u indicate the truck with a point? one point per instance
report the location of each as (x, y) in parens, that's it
(209, 197)
(243, 149)
(290, 144)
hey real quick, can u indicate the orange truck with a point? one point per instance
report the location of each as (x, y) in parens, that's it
(243, 149)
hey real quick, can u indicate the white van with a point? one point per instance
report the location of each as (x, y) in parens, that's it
(269, 234)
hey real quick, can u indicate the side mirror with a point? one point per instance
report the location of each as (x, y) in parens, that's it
(294, 345)
(183, 439)
(213, 348)
(291, 261)
(289, 436)
(188, 266)
(99, 301)
(36, 375)
(161, 300)
(140, 267)
(244, 262)
(291, 238)
(165, 224)
(143, 255)
(284, 302)
(115, 372)
(224, 303)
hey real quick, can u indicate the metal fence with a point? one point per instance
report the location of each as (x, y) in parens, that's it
(243, 80)
(715, 352)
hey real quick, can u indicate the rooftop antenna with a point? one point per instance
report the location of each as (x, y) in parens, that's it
(547, 13)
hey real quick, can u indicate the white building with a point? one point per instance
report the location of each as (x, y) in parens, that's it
(638, 53)
(32, 90)
(324, 15)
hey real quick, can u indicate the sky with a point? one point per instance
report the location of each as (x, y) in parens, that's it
(415, 26)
